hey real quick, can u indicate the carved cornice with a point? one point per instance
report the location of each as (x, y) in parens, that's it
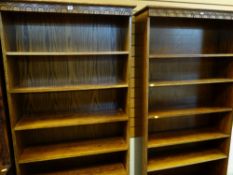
(184, 13)
(65, 8)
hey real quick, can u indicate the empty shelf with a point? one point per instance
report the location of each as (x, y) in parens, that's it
(73, 149)
(67, 88)
(183, 159)
(109, 169)
(187, 112)
(185, 136)
(68, 53)
(190, 82)
(63, 120)
(189, 55)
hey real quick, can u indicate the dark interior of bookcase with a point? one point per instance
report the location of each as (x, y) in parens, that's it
(34, 32)
(190, 36)
(38, 71)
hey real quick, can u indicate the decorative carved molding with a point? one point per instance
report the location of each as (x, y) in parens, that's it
(65, 8)
(184, 13)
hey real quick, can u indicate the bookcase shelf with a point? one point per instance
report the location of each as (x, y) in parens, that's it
(67, 53)
(218, 55)
(184, 159)
(68, 87)
(113, 169)
(190, 82)
(73, 149)
(184, 136)
(187, 112)
(184, 90)
(59, 120)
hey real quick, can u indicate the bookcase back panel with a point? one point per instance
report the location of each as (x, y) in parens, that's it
(190, 36)
(68, 70)
(68, 166)
(206, 168)
(174, 97)
(71, 134)
(186, 122)
(189, 68)
(64, 32)
(110, 100)
(184, 148)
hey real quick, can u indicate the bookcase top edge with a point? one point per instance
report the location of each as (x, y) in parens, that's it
(156, 11)
(119, 3)
(73, 7)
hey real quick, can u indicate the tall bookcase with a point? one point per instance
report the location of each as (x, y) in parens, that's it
(67, 72)
(5, 157)
(186, 97)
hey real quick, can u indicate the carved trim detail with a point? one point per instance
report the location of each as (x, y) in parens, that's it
(184, 13)
(65, 8)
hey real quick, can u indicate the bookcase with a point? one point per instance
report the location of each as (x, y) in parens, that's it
(67, 74)
(184, 60)
(5, 158)
(5, 142)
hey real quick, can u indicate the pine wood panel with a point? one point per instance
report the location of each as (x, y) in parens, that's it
(184, 136)
(50, 121)
(187, 112)
(69, 150)
(184, 159)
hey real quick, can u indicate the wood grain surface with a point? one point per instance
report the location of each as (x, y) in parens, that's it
(68, 71)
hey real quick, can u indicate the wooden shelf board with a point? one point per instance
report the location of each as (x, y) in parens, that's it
(187, 112)
(63, 120)
(190, 82)
(184, 159)
(67, 88)
(73, 149)
(184, 136)
(108, 169)
(90, 53)
(190, 55)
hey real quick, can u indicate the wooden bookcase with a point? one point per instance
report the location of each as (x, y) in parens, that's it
(184, 60)
(5, 157)
(67, 72)
(5, 141)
